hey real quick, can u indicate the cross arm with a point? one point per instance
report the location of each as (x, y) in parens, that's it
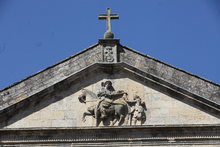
(112, 16)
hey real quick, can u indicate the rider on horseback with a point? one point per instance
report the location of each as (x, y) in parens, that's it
(105, 94)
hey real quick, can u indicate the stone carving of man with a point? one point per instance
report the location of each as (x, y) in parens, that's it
(105, 94)
(138, 109)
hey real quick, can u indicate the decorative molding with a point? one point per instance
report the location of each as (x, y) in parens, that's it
(190, 134)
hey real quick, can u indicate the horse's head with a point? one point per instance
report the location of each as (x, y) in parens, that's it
(87, 95)
(82, 98)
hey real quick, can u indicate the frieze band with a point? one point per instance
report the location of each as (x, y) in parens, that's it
(194, 134)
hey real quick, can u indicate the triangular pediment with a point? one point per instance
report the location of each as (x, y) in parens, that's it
(49, 105)
(172, 96)
(60, 106)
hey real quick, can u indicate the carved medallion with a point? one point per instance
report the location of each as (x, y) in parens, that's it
(113, 107)
(108, 54)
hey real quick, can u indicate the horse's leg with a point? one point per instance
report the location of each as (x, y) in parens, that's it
(98, 121)
(126, 120)
(134, 121)
(121, 112)
(84, 116)
(120, 120)
(114, 120)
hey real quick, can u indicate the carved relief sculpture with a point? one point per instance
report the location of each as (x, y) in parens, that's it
(108, 54)
(137, 111)
(111, 107)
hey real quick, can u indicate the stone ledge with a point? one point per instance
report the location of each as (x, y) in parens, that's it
(148, 135)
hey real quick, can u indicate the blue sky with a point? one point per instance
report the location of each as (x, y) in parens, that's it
(35, 34)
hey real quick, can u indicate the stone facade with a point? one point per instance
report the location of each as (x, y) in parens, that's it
(182, 109)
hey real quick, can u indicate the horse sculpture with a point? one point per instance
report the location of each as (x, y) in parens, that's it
(116, 111)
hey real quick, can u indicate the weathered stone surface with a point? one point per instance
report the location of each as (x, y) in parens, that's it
(162, 109)
(182, 79)
(49, 76)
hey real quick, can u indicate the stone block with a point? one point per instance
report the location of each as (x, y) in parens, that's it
(35, 115)
(69, 115)
(46, 123)
(20, 124)
(34, 123)
(48, 114)
(154, 97)
(159, 112)
(62, 123)
(58, 115)
(155, 121)
(56, 106)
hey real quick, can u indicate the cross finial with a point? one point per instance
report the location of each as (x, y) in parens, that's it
(108, 34)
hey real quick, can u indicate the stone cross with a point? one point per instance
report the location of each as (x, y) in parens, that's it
(108, 17)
